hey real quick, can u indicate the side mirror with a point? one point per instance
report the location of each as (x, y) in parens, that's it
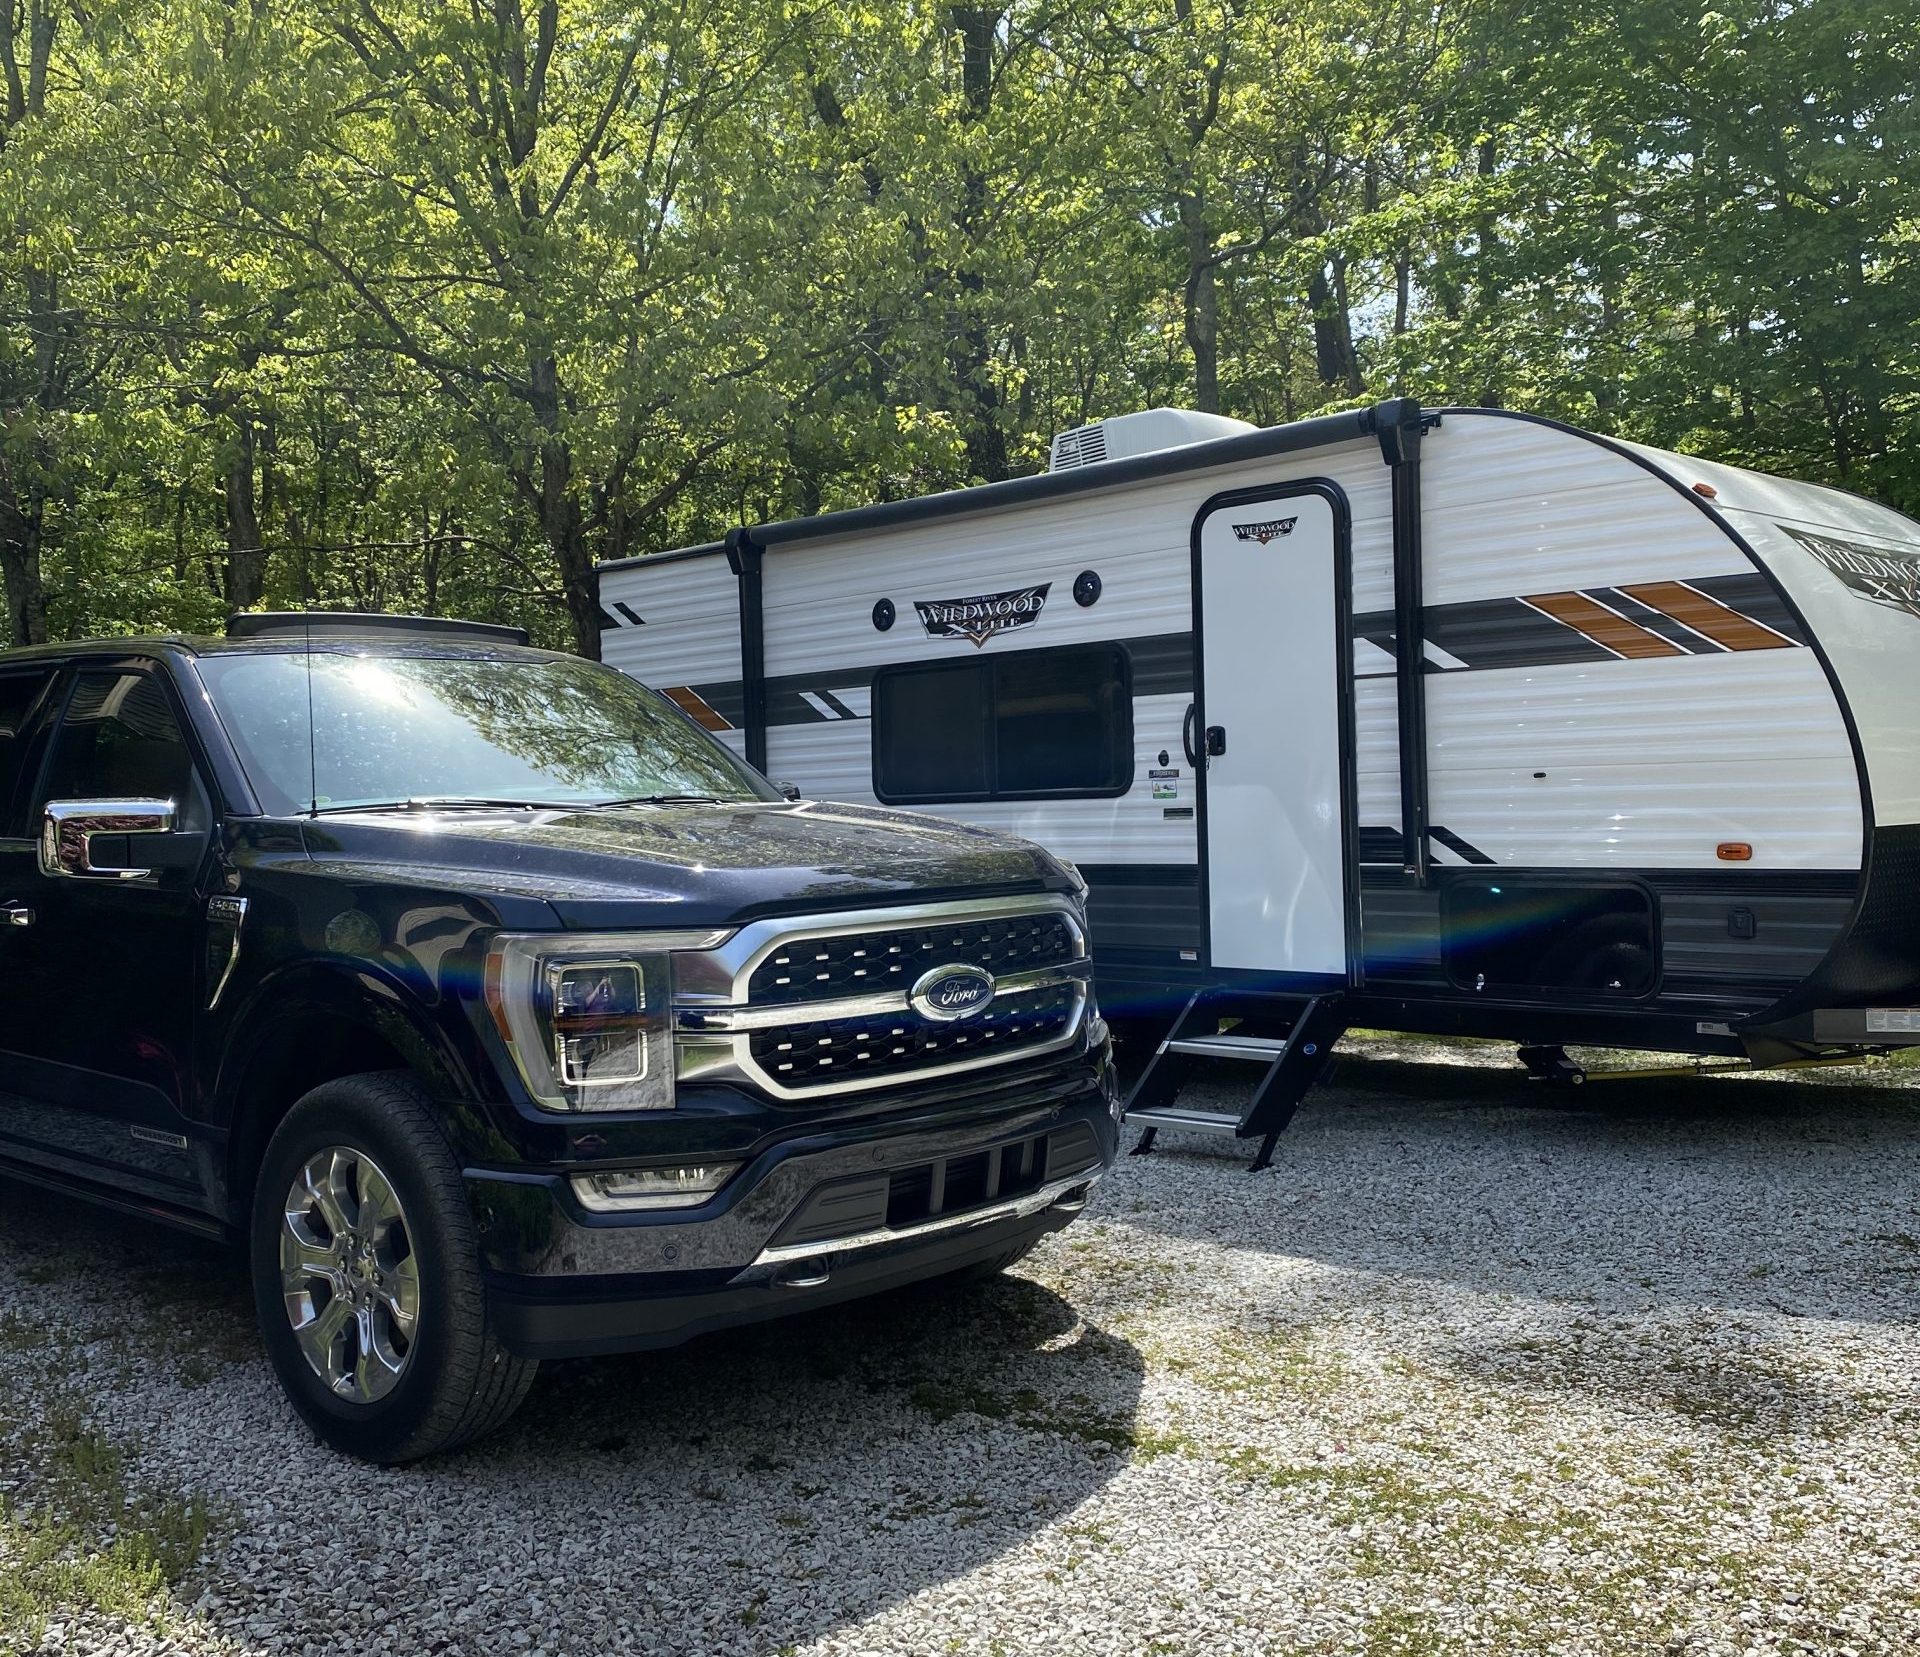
(788, 790)
(85, 839)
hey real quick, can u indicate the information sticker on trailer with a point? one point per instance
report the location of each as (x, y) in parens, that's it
(1893, 1021)
(1166, 784)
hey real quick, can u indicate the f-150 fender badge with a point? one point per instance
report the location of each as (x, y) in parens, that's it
(984, 615)
(1273, 529)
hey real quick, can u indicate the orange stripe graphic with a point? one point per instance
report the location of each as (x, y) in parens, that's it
(1603, 626)
(683, 697)
(1691, 608)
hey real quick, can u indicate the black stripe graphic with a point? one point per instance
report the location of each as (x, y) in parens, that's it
(1382, 845)
(1459, 847)
(1485, 634)
(1388, 845)
(725, 698)
(1492, 633)
(1752, 595)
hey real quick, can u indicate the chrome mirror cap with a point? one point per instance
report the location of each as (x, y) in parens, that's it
(68, 827)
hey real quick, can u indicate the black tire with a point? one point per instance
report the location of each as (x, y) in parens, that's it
(457, 1382)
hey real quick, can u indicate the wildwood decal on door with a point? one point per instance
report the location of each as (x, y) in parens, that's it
(1272, 530)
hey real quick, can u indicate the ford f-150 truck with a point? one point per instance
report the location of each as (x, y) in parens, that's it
(503, 1013)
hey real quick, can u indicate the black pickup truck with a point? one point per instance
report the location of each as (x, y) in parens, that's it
(505, 1014)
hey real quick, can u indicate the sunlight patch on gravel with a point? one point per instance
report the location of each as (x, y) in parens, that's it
(1472, 1369)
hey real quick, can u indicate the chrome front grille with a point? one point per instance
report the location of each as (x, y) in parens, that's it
(859, 963)
(802, 1009)
(892, 1044)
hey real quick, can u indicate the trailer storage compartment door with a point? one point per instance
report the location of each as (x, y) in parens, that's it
(1272, 622)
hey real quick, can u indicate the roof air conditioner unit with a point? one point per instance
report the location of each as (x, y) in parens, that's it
(1126, 435)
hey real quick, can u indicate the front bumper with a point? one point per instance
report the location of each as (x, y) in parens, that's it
(825, 1213)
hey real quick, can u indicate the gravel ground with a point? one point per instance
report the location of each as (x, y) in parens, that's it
(1472, 1369)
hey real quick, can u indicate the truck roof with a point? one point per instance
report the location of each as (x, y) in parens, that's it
(394, 642)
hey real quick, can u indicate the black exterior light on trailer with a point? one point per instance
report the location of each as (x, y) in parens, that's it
(1086, 589)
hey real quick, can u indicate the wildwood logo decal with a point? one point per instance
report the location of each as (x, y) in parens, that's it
(1272, 530)
(980, 618)
(1877, 573)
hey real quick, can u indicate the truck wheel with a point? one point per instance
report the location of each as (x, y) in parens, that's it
(366, 1275)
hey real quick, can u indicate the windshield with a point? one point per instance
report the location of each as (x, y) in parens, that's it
(391, 730)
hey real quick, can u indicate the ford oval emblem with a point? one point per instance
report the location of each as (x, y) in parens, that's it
(950, 993)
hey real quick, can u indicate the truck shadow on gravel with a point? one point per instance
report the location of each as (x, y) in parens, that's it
(754, 1491)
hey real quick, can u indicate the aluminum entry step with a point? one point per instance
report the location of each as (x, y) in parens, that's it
(1264, 1048)
(1181, 1116)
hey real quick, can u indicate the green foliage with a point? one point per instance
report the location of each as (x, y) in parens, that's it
(394, 304)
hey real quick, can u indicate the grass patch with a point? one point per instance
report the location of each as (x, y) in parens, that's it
(84, 1539)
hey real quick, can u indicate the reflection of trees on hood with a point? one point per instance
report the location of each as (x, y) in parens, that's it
(780, 836)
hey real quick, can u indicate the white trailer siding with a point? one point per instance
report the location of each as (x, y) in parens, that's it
(820, 597)
(1865, 612)
(1651, 760)
(688, 626)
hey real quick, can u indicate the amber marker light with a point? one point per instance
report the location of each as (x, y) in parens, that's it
(1734, 851)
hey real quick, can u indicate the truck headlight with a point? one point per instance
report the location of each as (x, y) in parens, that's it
(588, 1017)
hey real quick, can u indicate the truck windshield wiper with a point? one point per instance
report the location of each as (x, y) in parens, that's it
(661, 799)
(453, 802)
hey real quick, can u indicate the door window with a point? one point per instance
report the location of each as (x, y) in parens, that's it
(19, 693)
(120, 740)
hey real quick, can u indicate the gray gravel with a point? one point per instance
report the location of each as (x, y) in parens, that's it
(1472, 1369)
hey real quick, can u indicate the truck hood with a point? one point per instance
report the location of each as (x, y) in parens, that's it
(682, 865)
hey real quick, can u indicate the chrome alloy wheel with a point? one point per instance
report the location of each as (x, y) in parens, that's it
(348, 1274)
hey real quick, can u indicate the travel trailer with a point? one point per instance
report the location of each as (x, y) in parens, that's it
(1455, 721)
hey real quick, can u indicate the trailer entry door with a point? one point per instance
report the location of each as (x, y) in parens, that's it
(1272, 619)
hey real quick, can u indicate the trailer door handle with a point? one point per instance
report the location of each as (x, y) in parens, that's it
(1216, 741)
(15, 914)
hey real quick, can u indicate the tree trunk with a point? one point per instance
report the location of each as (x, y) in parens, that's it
(1332, 344)
(246, 556)
(1487, 163)
(1343, 330)
(1201, 304)
(22, 524)
(560, 516)
(985, 436)
(23, 491)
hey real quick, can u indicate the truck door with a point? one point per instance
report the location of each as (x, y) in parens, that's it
(1272, 593)
(102, 959)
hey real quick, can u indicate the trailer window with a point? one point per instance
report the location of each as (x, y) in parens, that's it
(1038, 724)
